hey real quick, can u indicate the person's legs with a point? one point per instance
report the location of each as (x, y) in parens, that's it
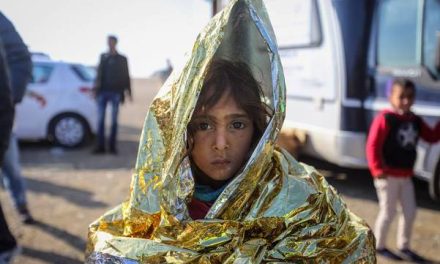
(115, 100)
(8, 245)
(7, 240)
(387, 193)
(14, 180)
(406, 220)
(101, 101)
(12, 177)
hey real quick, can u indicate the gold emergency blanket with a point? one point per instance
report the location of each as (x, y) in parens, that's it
(275, 210)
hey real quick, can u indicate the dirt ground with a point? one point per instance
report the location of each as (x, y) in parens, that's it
(68, 189)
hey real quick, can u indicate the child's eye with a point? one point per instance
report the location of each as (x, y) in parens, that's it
(203, 126)
(238, 125)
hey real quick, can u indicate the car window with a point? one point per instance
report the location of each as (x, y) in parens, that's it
(431, 31)
(399, 31)
(41, 73)
(84, 73)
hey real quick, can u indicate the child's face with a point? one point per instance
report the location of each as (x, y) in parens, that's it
(222, 139)
(401, 98)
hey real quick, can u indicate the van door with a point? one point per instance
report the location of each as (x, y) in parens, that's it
(309, 45)
(322, 45)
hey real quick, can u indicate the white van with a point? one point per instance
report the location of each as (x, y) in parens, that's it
(338, 56)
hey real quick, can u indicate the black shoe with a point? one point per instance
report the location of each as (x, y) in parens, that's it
(27, 219)
(384, 252)
(410, 255)
(98, 150)
(25, 216)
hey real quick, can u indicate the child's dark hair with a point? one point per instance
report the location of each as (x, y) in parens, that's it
(404, 83)
(236, 78)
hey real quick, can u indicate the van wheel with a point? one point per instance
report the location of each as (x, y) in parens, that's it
(68, 130)
(434, 185)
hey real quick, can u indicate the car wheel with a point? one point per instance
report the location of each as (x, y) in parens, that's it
(69, 130)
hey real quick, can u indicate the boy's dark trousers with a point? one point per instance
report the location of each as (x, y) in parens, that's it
(7, 241)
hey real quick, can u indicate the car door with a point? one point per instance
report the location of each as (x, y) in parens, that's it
(31, 116)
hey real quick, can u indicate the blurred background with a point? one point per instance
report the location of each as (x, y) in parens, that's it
(149, 32)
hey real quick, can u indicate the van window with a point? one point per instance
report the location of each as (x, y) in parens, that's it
(295, 22)
(41, 73)
(431, 30)
(398, 38)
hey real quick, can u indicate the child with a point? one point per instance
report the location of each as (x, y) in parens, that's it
(391, 154)
(210, 186)
(244, 192)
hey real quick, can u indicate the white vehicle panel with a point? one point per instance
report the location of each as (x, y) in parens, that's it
(314, 76)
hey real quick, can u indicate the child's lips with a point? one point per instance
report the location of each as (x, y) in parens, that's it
(220, 162)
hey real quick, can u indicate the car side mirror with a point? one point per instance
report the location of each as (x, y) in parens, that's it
(437, 52)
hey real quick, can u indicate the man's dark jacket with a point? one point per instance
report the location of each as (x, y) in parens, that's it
(112, 74)
(6, 106)
(18, 58)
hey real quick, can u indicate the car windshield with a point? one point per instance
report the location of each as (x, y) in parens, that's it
(84, 73)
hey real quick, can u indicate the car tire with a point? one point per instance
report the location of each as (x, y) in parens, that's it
(69, 130)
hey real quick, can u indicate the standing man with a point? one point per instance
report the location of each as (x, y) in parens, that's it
(111, 85)
(8, 244)
(19, 64)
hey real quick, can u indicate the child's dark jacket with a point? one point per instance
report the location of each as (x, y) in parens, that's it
(392, 142)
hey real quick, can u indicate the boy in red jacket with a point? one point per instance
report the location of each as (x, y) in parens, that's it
(391, 154)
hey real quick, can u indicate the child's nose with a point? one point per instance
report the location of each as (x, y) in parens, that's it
(221, 140)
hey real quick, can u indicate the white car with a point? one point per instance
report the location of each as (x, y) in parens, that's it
(69, 116)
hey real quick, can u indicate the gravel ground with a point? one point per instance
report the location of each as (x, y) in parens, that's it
(68, 189)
